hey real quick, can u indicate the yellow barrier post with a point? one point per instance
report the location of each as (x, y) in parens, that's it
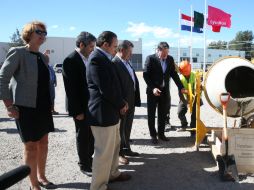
(200, 127)
(190, 97)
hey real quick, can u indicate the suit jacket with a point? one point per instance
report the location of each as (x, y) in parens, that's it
(129, 93)
(105, 94)
(74, 77)
(154, 76)
(18, 77)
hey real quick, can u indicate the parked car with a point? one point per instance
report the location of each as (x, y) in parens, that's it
(58, 68)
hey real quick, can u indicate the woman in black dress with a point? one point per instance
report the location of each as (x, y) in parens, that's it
(28, 100)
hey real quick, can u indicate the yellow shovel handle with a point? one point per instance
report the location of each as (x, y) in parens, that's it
(190, 97)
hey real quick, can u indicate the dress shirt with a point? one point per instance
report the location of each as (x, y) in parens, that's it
(129, 68)
(108, 55)
(85, 60)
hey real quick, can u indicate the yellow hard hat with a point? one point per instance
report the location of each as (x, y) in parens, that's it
(185, 68)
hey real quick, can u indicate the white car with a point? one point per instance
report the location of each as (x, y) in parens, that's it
(58, 67)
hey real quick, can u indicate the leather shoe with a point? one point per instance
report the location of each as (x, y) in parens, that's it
(48, 185)
(86, 171)
(163, 138)
(154, 140)
(181, 129)
(130, 153)
(123, 160)
(122, 177)
(55, 112)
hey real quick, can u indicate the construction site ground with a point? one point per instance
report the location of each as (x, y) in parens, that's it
(174, 165)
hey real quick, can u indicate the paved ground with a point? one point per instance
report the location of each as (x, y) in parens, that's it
(171, 165)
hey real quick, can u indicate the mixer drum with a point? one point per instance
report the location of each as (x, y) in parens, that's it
(236, 76)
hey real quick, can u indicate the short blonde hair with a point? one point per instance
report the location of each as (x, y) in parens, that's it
(29, 28)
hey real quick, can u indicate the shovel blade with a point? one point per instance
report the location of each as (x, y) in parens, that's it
(231, 167)
(227, 168)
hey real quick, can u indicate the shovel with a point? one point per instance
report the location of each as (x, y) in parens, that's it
(227, 165)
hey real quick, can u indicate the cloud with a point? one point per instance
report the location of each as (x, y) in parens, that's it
(197, 41)
(72, 28)
(150, 44)
(54, 26)
(140, 29)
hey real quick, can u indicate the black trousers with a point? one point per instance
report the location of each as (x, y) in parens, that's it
(84, 142)
(162, 104)
(182, 110)
(125, 129)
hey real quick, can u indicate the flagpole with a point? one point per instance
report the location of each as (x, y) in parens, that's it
(204, 31)
(179, 23)
(192, 25)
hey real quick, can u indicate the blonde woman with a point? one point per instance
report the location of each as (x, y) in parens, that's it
(24, 89)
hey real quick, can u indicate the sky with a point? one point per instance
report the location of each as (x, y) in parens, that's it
(152, 21)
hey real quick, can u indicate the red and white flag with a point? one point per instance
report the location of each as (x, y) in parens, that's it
(187, 23)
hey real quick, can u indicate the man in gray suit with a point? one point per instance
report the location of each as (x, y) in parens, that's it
(131, 94)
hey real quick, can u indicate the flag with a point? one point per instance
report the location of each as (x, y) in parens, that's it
(217, 17)
(188, 28)
(187, 23)
(213, 28)
(198, 20)
(216, 28)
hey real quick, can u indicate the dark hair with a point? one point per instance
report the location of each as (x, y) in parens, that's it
(86, 38)
(163, 45)
(106, 36)
(125, 44)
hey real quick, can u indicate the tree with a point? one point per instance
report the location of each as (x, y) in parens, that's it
(243, 42)
(218, 45)
(16, 39)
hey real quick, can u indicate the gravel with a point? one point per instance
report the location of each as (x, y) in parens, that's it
(174, 165)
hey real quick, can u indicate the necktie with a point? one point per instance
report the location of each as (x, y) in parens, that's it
(163, 65)
(130, 71)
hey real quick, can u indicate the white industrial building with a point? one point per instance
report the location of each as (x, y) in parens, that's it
(60, 47)
(4, 47)
(212, 55)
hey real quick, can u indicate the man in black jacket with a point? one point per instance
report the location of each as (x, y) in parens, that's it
(105, 106)
(159, 68)
(131, 94)
(74, 76)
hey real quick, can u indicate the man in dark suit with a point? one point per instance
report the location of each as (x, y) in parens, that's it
(159, 68)
(130, 92)
(74, 76)
(105, 105)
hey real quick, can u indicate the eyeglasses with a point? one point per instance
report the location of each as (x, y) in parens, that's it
(41, 32)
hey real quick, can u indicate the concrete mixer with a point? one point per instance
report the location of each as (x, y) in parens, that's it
(236, 76)
(233, 75)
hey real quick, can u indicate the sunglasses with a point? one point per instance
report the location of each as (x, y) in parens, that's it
(41, 32)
